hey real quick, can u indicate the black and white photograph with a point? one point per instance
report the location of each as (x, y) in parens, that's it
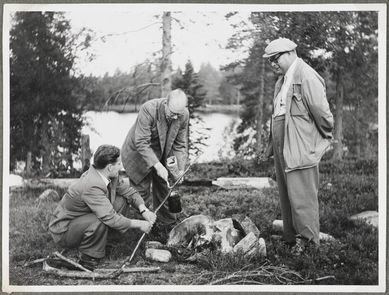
(194, 147)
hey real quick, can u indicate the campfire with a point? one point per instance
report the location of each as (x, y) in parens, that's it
(200, 232)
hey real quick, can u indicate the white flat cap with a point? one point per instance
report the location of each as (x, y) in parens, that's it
(279, 45)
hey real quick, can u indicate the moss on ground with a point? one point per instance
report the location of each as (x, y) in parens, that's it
(345, 189)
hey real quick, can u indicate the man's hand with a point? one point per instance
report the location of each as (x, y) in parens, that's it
(161, 171)
(149, 216)
(142, 225)
(180, 172)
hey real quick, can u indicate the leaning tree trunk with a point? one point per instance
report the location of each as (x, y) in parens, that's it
(260, 105)
(166, 64)
(338, 146)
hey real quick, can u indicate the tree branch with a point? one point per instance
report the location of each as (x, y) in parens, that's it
(70, 261)
(127, 32)
(97, 274)
(117, 93)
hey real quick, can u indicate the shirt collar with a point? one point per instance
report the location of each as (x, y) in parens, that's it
(105, 179)
(290, 71)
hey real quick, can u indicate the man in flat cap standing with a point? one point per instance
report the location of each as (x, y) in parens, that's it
(159, 132)
(301, 130)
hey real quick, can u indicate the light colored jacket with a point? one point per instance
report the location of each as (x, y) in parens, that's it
(308, 119)
(89, 194)
(150, 140)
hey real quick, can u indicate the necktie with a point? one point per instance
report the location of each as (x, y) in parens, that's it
(109, 190)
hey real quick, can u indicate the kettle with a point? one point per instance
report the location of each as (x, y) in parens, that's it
(174, 202)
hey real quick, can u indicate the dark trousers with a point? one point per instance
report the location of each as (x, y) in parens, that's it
(89, 234)
(298, 190)
(154, 184)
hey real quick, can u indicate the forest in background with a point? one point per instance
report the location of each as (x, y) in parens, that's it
(48, 96)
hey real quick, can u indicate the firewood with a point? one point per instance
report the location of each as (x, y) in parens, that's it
(97, 274)
(71, 262)
(75, 274)
(130, 269)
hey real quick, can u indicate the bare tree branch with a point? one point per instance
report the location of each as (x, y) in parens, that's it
(128, 91)
(127, 32)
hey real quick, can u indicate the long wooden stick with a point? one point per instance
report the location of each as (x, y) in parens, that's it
(317, 279)
(97, 274)
(35, 262)
(129, 258)
(130, 269)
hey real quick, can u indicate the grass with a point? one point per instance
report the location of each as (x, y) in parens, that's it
(345, 189)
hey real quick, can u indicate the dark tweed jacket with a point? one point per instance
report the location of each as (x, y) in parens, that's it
(151, 140)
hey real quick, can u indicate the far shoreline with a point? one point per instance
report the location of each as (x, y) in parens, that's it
(134, 108)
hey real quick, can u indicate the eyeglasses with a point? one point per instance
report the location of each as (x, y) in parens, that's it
(171, 114)
(274, 58)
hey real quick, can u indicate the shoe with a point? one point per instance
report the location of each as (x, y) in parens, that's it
(302, 244)
(278, 238)
(60, 264)
(90, 263)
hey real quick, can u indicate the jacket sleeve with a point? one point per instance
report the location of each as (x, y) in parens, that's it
(180, 144)
(129, 193)
(96, 199)
(313, 91)
(143, 136)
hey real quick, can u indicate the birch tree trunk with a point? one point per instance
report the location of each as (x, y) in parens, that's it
(166, 64)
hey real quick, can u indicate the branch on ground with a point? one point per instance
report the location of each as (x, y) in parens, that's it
(97, 274)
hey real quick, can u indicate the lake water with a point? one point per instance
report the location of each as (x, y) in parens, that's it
(112, 127)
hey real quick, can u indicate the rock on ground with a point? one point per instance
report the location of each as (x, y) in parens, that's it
(250, 245)
(158, 255)
(154, 245)
(370, 217)
(15, 180)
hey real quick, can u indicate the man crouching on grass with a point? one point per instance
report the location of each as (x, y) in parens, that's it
(93, 204)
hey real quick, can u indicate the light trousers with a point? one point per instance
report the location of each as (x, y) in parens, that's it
(298, 190)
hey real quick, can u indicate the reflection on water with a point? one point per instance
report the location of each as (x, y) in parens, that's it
(112, 128)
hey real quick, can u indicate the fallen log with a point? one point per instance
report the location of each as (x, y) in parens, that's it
(97, 274)
(197, 182)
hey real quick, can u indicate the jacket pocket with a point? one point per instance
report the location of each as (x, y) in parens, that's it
(297, 107)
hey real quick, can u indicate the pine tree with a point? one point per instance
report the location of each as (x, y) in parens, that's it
(45, 117)
(189, 83)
